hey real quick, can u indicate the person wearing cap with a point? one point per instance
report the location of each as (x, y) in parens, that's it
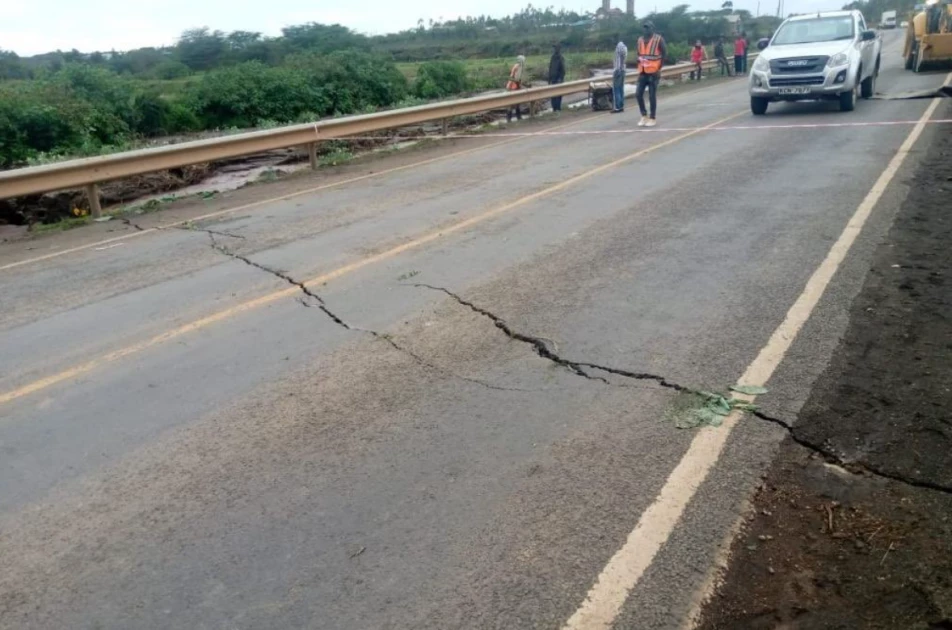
(651, 53)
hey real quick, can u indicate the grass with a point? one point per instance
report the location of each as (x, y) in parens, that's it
(492, 73)
(60, 226)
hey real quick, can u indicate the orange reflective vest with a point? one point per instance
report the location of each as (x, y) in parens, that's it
(649, 54)
(513, 83)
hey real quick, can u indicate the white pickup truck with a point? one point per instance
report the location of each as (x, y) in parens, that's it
(819, 56)
(888, 20)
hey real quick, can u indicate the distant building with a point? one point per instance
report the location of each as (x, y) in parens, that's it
(606, 9)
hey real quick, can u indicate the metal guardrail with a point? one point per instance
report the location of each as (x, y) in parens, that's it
(90, 172)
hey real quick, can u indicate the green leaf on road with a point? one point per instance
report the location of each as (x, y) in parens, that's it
(750, 390)
(708, 410)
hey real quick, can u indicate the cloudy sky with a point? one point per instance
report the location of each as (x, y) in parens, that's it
(29, 27)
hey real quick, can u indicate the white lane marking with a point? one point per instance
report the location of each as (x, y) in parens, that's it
(608, 132)
(623, 571)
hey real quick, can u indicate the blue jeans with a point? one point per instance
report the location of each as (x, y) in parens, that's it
(618, 89)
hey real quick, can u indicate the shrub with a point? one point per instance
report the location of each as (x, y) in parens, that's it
(156, 116)
(352, 81)
(45, 117)
(171, 69)
(244, 94)
(439, 79)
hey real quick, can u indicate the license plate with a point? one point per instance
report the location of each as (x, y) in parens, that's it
(795, 90)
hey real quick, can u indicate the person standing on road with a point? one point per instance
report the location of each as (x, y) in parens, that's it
(721, 57)
(515, 83)
(698, 57)
(651, 53)
(556, 74)
(740, 51)
(618, 77)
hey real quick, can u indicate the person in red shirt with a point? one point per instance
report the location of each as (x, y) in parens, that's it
(740, 52)
(698, 56)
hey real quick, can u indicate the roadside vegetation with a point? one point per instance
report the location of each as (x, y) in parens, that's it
(79, 104)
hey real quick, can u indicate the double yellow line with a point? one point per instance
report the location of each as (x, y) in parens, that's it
(416, 243)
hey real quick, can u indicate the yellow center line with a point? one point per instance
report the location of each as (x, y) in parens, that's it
(294, 195)
(308, 191)
(263, 300)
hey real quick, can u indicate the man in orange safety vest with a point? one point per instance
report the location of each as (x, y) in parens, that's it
(651, 53)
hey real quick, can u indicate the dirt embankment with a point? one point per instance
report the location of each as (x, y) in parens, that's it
(826, 548)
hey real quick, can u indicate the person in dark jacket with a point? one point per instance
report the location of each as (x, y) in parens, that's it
(721, 57)
(556, 74)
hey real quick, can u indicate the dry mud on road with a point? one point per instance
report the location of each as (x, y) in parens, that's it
(829, 548)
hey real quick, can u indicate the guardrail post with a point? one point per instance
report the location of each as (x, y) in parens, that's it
(446, 126)
(92, 194)
(312, 155)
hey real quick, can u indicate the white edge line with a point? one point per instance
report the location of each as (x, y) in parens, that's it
(611, 589)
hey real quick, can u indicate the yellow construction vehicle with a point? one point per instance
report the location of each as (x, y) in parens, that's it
(929, 35)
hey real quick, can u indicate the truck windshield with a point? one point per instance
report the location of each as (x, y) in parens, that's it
(823, 29)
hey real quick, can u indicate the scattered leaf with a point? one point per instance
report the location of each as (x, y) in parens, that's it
(750, 390)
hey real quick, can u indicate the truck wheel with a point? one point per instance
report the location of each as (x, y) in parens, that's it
(911, 59)
(868, 87)
(758, 105)
(848, 100)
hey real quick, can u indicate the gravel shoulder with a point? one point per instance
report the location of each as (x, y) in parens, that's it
(868, 547)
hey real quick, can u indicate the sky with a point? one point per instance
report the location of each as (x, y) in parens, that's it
(29, 27)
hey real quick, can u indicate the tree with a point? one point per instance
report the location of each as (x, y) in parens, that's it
(201, 49)
(322, 38)
(138, 62)
(728, 6)
(11, 67)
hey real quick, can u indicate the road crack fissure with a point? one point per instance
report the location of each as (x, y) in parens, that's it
(132, 224)
(211, 232)
(578, 368)
(322, 306)
(538, 345)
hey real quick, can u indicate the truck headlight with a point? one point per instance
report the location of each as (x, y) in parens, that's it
(761, 64)
(839, 59)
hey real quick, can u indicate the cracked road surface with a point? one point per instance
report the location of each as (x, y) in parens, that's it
(438, 397)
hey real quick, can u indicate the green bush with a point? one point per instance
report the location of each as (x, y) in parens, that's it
(170, 69)
(241, 95)
(156, 116)
(439, 79)
(47, 117)
(352, 81)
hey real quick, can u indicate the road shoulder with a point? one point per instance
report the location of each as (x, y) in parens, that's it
(869, 547)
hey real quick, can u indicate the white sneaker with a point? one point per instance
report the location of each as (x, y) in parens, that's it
(643, 121)
(651, 122)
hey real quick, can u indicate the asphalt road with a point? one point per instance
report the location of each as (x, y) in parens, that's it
(188, 440)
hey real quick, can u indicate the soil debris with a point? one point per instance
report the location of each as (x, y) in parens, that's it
(855, 551)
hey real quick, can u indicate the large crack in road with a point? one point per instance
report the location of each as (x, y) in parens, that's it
(318, 301)
(577, 368)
